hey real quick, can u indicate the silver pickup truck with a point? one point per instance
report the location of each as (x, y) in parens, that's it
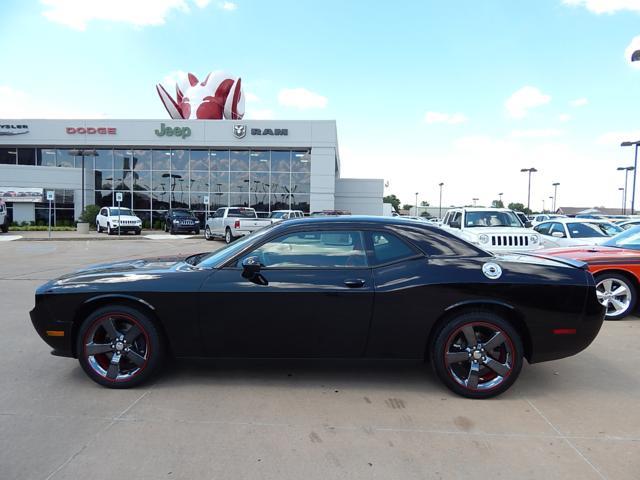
(233, 222)
(4, 218)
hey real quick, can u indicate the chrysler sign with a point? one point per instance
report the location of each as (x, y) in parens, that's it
(12, 129)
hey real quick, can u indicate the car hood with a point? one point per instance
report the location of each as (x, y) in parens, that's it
(126, 271)
(127, 218)
(499, 231)
(588, 253)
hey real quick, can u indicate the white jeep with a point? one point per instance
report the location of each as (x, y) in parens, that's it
(113, 219)
(4, 218)
(493, 229)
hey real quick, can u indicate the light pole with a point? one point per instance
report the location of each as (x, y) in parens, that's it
(500, 197)
(555, 194)
(474, 201)
(76, 152)
(530, 171)
(543, 205)
(551, 202)
(635, 167)
(624, 200)
(441, 184)
(621, 189)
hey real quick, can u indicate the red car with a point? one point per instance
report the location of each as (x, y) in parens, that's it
(615, 265)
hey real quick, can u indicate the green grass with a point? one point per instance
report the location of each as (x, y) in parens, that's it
(39, 228)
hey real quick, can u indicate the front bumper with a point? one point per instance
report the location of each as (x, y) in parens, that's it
(185, 228)
(56, 334)
(127, 228)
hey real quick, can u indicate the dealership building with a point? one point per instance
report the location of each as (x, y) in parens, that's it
(162, 164)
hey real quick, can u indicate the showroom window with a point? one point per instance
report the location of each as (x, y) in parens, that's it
(8, 156)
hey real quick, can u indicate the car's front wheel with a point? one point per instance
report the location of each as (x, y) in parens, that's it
(109, 231)
(98, 229)
(477, 354)
(119, 347)
(617, 294)
(207, 233)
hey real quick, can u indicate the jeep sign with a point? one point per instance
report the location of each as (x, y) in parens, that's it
(182, 132)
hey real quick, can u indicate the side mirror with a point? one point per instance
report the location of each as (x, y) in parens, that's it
(454, 224)
(558, 235)
(250, 267)
(528, 224)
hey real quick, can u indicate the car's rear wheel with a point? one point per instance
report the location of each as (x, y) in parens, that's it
(207, 233)
(228, 236)
(119, 347)
(617, 294)
(477, 354)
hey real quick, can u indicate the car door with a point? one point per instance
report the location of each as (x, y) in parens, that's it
(543, 230)
(313, 298)
(216, 222)
(100, 220)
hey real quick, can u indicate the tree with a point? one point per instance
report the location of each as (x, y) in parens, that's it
(393, 200)
(407, 206)
(497, 204)
(424, 203)
(519, 207)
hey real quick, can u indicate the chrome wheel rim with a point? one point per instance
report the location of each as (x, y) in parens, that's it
(207, 233)
(227, 236)
(116, 347)
(614, 295)
(479, 356)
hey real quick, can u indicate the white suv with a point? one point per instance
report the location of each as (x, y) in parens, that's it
(279, 215)
(493, 229)
(110, 218)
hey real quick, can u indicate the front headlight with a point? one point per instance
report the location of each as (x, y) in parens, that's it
(535, 239)
(483, 238)
(176, 221)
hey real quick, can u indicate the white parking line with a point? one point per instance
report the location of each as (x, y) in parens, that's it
(8, 238)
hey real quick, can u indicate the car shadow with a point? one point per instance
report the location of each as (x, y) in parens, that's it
(300, 373)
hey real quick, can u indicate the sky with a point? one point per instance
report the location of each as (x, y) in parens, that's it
(460, 91)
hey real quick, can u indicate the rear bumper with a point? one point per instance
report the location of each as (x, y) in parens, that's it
(58, 335)
(565, 339)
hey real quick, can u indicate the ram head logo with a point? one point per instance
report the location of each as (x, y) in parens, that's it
(218, 96)
(239, 131)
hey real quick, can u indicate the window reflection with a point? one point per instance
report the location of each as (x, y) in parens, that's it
(239, 160)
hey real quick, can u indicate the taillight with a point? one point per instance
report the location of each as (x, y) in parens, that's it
(564, 331)
(236, 224)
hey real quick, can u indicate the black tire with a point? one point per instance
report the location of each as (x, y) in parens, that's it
(207, 233)
(197, 231)
(617, 280)
(4, 227)
(146, 347)
(98, 229)
(138, 232)
(109, 231)
(505, 354)
(166, 227)
(228, 236)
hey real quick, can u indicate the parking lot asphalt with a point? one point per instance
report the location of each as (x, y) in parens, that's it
(222, 419)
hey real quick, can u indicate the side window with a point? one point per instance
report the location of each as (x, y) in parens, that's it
(219, 213)
(312, 249)
(543, 228)
(103, 212)
(456, 218)
(389, 248)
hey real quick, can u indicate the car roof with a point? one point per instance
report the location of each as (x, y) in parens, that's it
(483, 209)
(575, 220)
(358, 220)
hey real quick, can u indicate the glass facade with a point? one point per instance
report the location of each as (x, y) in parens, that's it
(154, 180)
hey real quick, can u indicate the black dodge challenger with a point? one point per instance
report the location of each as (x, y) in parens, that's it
(369, 287)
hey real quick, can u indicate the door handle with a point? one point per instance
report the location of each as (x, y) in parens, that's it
(354, 283)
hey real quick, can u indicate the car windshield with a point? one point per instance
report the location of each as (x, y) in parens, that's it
(590, 230)
(226, 253)
(277, 214)
(241, 213)
(182, 213)
(491, 218)
(628, 239)
(114, 212)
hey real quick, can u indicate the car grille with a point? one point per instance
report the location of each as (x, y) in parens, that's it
(510, 240)
(127, 222)
(187, 222)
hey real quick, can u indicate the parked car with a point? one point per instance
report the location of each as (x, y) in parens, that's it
(110, 219)
(4, 217)
(615, 264)
(566, 232)
(373, 287)
(543, 217)
(280, 215)
(233, 222)
(494, 229)
(260, 214)
(627, 224)
(179, 220)
(329, 213)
